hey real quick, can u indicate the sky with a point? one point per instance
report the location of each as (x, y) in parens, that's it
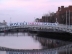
(28, 10)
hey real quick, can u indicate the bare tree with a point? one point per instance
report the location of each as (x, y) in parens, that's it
(50, 17)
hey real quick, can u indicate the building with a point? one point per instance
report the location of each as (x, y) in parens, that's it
(44, 18)
(64, 15)
(38, 20)
(3, 24)
(49, 18)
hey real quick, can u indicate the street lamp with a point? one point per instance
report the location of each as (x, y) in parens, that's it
(66, 17)
(69, 17)
(10, 20)
(56, 20)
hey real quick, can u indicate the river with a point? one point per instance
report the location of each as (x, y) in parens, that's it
(27, 41)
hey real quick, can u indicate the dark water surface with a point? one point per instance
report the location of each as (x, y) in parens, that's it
(28, 41)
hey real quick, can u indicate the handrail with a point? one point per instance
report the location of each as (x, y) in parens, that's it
(58, 48)
(59, 27)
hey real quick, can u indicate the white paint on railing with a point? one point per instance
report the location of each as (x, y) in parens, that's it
(58, 27)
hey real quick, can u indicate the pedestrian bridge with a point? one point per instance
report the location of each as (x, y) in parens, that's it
(44, 28)
(67, 49)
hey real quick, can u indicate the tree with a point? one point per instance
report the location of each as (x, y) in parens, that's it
(51, 17)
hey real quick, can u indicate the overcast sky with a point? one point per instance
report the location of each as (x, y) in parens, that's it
(28, 10)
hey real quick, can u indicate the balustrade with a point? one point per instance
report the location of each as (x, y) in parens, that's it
(55, 28)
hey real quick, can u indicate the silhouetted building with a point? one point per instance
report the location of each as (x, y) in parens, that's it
(37, 20)
(40, 20)
(61, 14)
(3, 24)
(51, 18)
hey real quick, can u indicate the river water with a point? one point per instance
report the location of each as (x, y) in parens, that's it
(27, 41)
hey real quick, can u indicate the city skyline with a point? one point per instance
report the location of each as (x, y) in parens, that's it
(28, 10)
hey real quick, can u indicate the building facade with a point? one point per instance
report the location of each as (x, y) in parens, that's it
(64, 15)
(37, 20)
(51, 18)
(3, 24)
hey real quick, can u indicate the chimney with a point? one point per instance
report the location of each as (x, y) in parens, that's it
(58, 8)
(62, 7)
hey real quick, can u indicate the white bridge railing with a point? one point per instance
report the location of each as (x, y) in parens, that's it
(60, 27)
(67, 49)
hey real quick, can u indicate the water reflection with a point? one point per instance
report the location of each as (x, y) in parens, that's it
(28, 41)
(51, 43)
(19, 41)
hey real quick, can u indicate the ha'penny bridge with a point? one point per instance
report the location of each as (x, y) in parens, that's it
(67, 49)
(59, 29)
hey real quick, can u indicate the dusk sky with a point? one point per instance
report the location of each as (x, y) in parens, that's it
(28, 10)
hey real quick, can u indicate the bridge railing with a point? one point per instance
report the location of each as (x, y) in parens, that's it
(64, 49)
(58, 27)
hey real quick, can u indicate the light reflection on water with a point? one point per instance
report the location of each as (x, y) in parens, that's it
(28, 41)
(19, 42)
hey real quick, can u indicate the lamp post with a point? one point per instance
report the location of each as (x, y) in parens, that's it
(66, 18)
(56, 20)
(69, 17)
(10, 20)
